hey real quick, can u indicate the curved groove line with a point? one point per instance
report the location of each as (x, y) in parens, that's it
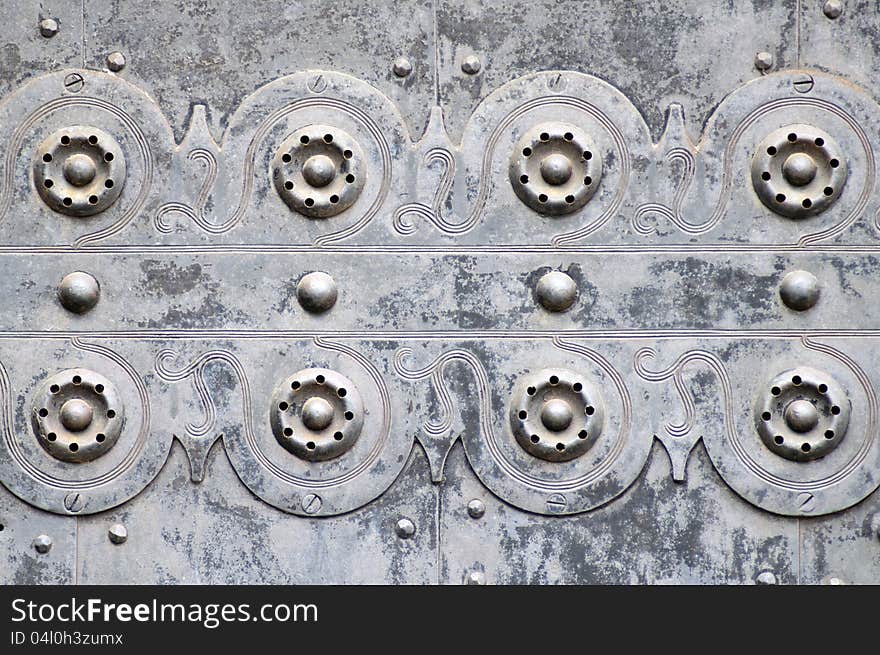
(434, 213)
(674, 372)
(84, 485)
(196, 215)
(85, 101)
(686, 158)
(197, 372)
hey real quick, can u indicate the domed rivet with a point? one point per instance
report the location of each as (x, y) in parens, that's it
(317, 413)
(801, 415)
(76, 415)
(471, 65)
(556, 291)
(79, 169)
(799, 290)
(79, 292)
(48, 27)
(556, 415)
(476, 508)
(117, 533)
(405, 528)
(765, 578)
(475, 578)
(115, 61)
(763, 61)
(832, 580)
(316, 292)
(401, 67)
(799, 169)
(556, 169)
(43, 544)
(832, 9)
(319, 170)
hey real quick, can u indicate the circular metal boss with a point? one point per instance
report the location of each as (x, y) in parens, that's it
(802, 414)
(79, 170)
(555, 169)
(555, 415)
(77, 415)
(319, 171)
(798, 171)
(316, 414)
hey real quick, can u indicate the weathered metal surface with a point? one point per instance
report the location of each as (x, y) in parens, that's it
(458, 292)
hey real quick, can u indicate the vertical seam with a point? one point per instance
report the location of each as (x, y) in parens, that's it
(797, 39)
(436, 53)
(83, 35)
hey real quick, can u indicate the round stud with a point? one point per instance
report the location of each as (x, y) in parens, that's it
(115, 61)
(832, 9)
(476, 509)
(79, 292)
(799, 290)
(555, 169)
(555, 414)
(401, 67)
(765, 578)
(48, 27)
(117, 533)
(763, 61)
(832, 580)
(475, 578)
(802, 414)
(43, 544)
(316, 414)
(316, 292)
(79, 170)
(471, 65)
(319, 171)
(556, 291)
(77, 415)
(405, 528)
(798, 171)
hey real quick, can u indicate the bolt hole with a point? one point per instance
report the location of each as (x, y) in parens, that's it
(348, 154)
(835, 410)
(108, 183)
(792, 137)
(780, 197)
(588, 155)
(341, 392)
(349, 416)
(100, 437)
(560, 447)
(54, 388)
(295, 385)
(65, 140)
(93, 139)
(589, 410)
(829, 434)
(304, 139)
(43, 412)
(766, 416)
(796, 380)
(527, 152)
(524, 179)
(286, 158)
(779, 440)
(328, 138)
(834, 163)
(77, 379)
(828, 191)
(765, 176)
(535, 438)
(807, 203)
(523, 414)
(775, 391)
(319, 379)
(771, 150)
(338, 436)
(545, 136)
(531, 391)
(47, 158)
(309, 202)
(288, 432)
(93, 200)
(51, 436)
(806, 447)
(288, 185)
(583, 434)
(569, 199)
(349, 178)
(568, 136)
(334, 199)
(588, 180)
(68, 201)
(108, 156)
(576, 387)
(542, 198)
(73, 447)
(48, 183)
(819, 141)
(823, 388)
(111, 413)
(283, 406)
(310, 445)
(554, 380)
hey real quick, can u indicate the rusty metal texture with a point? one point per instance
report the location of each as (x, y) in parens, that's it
(464, 292)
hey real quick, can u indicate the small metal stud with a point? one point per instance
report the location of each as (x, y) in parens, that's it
(475, 578)
(79, 292)
(402, 67)
(405, 528)
(316, 292)
(833, 9)
(43, 544)
(471, 65)
(116, 61)
(765, 578)
(48, 27)
(476, 508)
(832, 580)
(556, 291)
(763, 61)
(799, 290)
(117, 533)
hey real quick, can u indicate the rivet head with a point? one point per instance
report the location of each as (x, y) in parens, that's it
(79, 292)
(801, 415)
(799, 169)
(316, 292)
(556, 169)
(763, 61)
(799, 290)
(471, 65)
(765, 578)
(475, 578)
(556, 291)
(79, 169)
(832, 580)
(401, 67)
(43, 544)
(48, 27)
(476, 508)
(317, 413)
(76, 415)
(405, 528)
(832, 8)
(117, 533)
(319, 170)
(556, 415)
(115, 61)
